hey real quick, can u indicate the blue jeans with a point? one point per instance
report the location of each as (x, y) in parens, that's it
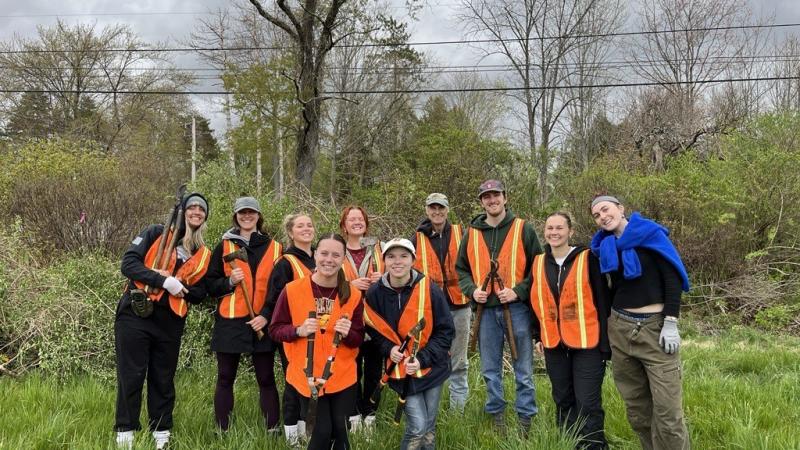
(492, 335)
(459, 386)
(421, 409)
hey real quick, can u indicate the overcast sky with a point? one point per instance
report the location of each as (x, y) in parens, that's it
(172, 20)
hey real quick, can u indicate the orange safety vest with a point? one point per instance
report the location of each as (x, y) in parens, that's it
(232, 305)
(301, 301)
(351, 271)
(573, 320)
(418, 306)
(427, 262)
(511, 258)
(299, 270)
(192, 271)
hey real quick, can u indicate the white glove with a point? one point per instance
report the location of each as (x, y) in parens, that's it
(670, 340)
(174, 286)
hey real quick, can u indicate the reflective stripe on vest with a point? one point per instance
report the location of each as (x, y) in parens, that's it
(232, 305)
(511, 258)
(301, 301)
(299, 269)
(573, 320)
(418, 306)
(192, 271)
(429, 264)
(189, 273)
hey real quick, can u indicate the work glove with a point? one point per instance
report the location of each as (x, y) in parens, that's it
(670, 340)
(174, 286)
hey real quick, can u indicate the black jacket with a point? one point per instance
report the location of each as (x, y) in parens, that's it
(234, 335)
(134, 269)
(390, 303)
(282, 274)
(600, 291)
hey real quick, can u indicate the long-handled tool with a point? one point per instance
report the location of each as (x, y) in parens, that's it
(489, 286)
(401, 400)
(175, 219)
(311, 413)
(241, 255)
(376, 394)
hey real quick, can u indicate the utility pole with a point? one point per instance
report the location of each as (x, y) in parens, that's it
(194, 150)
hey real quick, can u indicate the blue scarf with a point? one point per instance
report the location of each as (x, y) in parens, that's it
(640, 232)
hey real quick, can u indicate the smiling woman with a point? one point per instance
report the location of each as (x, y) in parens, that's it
(238, 278)
(313, 316)
(151, 316)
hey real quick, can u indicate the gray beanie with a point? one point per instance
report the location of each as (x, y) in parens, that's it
(196, 199)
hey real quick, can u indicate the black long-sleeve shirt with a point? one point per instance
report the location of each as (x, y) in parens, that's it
(660, 282)
(282, 274)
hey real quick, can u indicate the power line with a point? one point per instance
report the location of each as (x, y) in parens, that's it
(411, 44)
(422, 91)
(614, 64)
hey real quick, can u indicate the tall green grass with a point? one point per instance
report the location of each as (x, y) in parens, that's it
(741, 391)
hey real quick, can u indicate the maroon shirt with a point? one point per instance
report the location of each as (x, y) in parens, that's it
(358, 255)
(281, 329)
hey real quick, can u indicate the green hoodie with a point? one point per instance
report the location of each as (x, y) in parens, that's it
(495, 237)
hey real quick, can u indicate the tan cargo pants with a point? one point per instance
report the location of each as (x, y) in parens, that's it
(649, 382)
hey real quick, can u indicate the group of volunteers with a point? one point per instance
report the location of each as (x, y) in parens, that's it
(349, 314)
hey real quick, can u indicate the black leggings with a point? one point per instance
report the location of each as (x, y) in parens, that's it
(227, 365)
(291, 398)
(330, 429)
(370, 369)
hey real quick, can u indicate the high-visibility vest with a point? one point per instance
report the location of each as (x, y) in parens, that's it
(300, 297)
(375, 265)
(299, 270)
(427, 262)
(192, 271)
(233, 305)
(511, 258)
(573, 320)
(418, 306)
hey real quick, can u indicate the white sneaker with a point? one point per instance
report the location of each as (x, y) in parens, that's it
(292, 435)
(369, 423)
(125, 439)
(301, 429)
(355, 423)
(161, 438)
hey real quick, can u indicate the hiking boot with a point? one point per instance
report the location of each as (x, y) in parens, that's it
(525, 426)
(499, 422)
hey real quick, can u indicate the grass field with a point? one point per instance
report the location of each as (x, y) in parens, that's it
(741, 391)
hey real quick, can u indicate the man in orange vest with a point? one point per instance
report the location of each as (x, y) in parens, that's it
(496, 239)
(437, 242)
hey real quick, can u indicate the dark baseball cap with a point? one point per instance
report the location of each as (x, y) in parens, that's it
(490, 186)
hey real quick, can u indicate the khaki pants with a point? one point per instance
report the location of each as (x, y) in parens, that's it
(649, 381)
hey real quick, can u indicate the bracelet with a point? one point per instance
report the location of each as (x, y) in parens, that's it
(670, 319)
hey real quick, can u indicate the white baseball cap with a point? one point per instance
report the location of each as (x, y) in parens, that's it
(399, 242)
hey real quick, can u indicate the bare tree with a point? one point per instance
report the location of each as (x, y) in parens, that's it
(311, 27)
(785, 94)
(82, 73)
(687, 45)
(216, 32)
(535, 37)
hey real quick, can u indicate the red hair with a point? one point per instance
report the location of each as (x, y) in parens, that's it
(346, 211)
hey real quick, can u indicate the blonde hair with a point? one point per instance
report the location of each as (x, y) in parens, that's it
(193, 238)
(288, 224)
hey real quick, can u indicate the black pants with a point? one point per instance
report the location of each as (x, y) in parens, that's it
(291, 398)
(577, 379)
(227, 366)
(330, 427)
(370, 368)
(146, 348)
